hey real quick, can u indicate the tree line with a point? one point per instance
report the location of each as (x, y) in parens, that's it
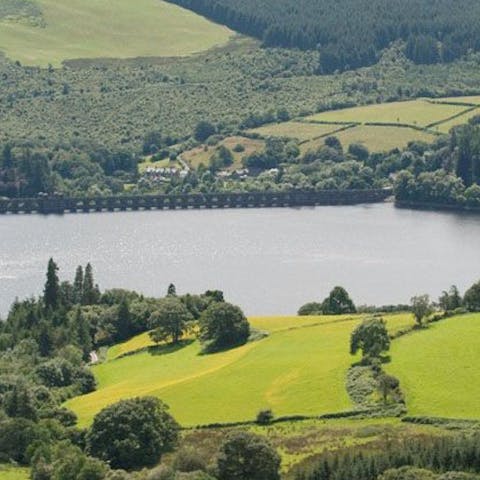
(446, 173)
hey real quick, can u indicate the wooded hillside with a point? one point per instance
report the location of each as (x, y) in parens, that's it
(350, 34)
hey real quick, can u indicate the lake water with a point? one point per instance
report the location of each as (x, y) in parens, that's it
(268, 261)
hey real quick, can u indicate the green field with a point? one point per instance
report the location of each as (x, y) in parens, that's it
(14, 473)
(445, 127)
(426, 119)
(202, 154)
(299, 130)
(473, 100)
(105, 28)
(415, 112)
(438, 368)
(299, 369)
(376, 139)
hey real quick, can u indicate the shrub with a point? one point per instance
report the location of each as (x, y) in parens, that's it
(189, 460)
(161, 472)
(312, 308)
(407, 473)
(265, 417)
(238, 148)
(245, 456)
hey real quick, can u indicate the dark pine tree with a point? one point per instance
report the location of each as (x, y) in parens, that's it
(52, 287)
(78, 285)
(123, 321)
(90, 290)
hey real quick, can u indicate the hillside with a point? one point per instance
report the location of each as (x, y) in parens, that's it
(438, 368)
(350, 34)
(42, 32)
(380, 127)
(299, 369)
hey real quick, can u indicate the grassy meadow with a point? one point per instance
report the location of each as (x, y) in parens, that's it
(438, 368)
(299, 368)
(300, 130)
(427, 118)
(103, 28)
(202, 154)
(376, 139)
(8, 472)
(415, 112)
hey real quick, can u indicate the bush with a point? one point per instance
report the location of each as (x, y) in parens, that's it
(238, 148)
(132, 433)
(85, 380)
(265, 417)
(245, 456)
(161, 472)
(407, 473)
(189, 460)
(312, 308)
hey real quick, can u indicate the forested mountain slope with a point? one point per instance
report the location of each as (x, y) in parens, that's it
(351, 33)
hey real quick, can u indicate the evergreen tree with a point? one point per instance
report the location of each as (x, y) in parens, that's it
(172, 290)
(78, 285)
(123, 321)
(82, 332)
(52, 287)
(90, 290)
(45, 340)
(19, 402)
(7, 157)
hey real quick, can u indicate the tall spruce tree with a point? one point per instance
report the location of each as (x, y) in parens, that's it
(90, 290)
(52, 287)
(78, 285)
(123, 321)
(82, 333)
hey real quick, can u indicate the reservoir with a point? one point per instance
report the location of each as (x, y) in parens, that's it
(268, 261)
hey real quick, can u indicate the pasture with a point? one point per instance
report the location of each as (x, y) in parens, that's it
(376, 139)
(445, 127)
(438, 368)
(105, 29)
(299, 368)
(8, 472)
(300, 130)
(202, 154)
(420, 113)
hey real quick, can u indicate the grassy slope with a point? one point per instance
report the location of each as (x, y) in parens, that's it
(299, 368)
(376, 139)
(106, 28)
(199, 155)
(415, 112)
(14, 473)
(299, 130)
(438, 368)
